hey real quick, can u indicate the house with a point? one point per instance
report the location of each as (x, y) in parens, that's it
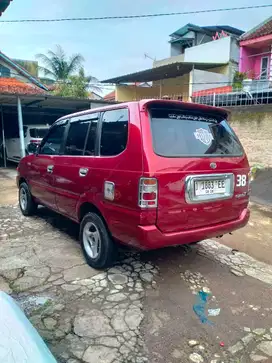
(206, 44)
(256, 54)
(200, 58)
(111, 97)
(16, 79)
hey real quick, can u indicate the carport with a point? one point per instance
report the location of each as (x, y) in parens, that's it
(19, 109)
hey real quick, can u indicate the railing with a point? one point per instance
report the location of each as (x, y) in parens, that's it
(252, 93)
(256, 93)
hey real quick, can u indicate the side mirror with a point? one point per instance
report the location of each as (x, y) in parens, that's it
(32, 148)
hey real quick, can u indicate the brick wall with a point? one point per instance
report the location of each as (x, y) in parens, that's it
(253, 125)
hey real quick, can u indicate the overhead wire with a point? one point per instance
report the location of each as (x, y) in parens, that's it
(141, 16)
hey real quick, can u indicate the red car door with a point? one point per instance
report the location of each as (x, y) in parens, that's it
(73, 169)
(41, 167)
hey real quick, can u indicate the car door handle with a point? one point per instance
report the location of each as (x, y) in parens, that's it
(50, 169)
(83, 171)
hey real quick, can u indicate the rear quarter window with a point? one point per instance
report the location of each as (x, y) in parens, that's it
(114, 133)
(179, 133)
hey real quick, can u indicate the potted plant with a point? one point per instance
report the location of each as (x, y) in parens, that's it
(238, 79)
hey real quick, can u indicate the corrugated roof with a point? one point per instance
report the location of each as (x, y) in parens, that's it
(3, 5)
(262, 29)
(211, 91)
(226, 28)
(163, 72)
(206, 29)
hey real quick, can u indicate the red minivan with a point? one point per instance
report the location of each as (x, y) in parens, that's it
(148, 174)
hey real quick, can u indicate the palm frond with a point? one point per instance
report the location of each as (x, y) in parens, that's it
(91, 79)
(75, 62)
(47, 72)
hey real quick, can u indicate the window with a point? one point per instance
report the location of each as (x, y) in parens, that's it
(4, 72)
(75, 142)
(264, 68)
(91, 140)
(179, 133)
(114, 132)
(53, 142)
(38, 133)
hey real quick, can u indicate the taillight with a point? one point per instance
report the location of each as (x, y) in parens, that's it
(148, 193)
(32, 141)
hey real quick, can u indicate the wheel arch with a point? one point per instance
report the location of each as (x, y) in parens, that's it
(87, 207)
(22, 180)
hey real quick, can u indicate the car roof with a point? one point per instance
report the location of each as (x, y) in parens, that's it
(144, 103)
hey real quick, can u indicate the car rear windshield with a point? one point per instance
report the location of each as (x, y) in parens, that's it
(179, 133)
(38, 133)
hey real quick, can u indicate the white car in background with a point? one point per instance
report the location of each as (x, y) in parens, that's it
(32, 134)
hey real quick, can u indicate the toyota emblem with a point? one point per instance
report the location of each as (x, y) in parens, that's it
(213, 165)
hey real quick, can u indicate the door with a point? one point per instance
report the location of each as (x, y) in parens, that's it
(200, 167)
(73, 169)
(13, 145)
(264, 68)
(42, 177)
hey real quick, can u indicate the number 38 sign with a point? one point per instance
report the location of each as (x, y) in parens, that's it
(241, 180)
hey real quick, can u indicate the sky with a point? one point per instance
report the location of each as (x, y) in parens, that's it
(113, 47)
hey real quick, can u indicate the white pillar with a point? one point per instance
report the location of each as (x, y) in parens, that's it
(3, 137)
(214, 99)
(21, 128)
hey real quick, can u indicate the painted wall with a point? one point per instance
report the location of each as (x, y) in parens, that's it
(216, 51)
(174, 59)
(206, 80)
(253, 127)
(172, 87)
(248, 63)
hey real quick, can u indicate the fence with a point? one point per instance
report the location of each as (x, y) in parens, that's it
(220, 95)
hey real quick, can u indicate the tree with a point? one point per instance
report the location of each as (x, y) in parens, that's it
(58, 66)
(76, 86)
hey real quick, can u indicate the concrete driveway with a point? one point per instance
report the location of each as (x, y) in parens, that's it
(204, 303)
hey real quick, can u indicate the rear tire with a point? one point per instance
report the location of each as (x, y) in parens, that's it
(27, 205)
(98, 247)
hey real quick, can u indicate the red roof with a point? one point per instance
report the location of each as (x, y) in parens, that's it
(13, 85)
(265, 28)
(211, 91)
(110, 96)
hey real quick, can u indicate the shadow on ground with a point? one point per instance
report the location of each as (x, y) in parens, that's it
(262, 187)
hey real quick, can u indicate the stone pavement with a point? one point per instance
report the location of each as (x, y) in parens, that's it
(140, 310)
(85, 315)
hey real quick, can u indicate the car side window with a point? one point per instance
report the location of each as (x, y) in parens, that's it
(51, 145)
(91, 140)
(114, 133)
(75, 141)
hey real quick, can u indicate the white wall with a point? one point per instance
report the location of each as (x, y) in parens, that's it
(216, 51)
(206, 80)
(234, 51)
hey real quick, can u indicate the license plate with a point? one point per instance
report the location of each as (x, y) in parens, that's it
(209, 187)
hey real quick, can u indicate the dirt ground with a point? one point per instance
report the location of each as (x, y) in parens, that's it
(206, 303)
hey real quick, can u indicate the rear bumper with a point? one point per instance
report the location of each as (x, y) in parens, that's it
(150, 237)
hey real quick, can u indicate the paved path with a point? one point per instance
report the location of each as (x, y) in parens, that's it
(147, 308)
